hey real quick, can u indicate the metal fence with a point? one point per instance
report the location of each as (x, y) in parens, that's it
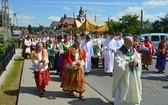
(5, 59)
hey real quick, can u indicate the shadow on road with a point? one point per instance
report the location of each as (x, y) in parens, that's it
(97, 101)
(55, 79)
(165, 87)
(156, 78)
(48, 94)
(98, 72)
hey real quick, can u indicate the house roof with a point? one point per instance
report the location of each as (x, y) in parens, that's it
(68, 21)
(54, 23)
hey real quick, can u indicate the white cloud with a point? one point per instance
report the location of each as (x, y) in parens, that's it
(66, 8)
(156, 3)
(25, 20)
(99, 18)
(54, 18)
(153, 17)
(137, 11)
(130, 10)
(21, 19)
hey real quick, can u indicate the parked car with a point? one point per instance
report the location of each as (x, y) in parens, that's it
(154, 37)
(16, 34)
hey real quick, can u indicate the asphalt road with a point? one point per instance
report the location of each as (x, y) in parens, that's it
(155, 86)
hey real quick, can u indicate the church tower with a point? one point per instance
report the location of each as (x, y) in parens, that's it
(81, 15)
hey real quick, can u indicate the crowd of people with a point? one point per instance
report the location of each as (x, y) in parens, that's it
(74, 57)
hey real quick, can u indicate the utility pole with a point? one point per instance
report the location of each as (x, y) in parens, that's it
(73, 15)
(95, 18)
(5, 19)
(141, 22)
(108, 18)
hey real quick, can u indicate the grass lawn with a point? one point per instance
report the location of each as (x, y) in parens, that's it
(10, 87)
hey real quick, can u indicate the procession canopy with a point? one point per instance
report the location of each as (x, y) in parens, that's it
(92, 27)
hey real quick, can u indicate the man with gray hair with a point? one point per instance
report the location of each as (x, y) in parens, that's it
(127, 88)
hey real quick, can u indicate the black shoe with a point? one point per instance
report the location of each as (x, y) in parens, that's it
(110, 74)
(86, 74)
(41, 95)
(147, 69)
(143, 67)
(162, 72)
(159, 72)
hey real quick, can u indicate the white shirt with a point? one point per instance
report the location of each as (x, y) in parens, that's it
(36, 63)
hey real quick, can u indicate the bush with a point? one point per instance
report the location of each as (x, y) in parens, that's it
(4, 46)
(14, 42)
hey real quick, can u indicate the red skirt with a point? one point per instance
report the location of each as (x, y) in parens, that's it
(42, 79)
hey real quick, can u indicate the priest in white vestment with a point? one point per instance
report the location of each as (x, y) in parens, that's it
(119, 40)
(110, 49)
(87, 45)
(127, 88)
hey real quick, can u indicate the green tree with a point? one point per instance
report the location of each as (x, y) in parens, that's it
(147, 26)
(35, 30)
(161, 25)
(113, 26)
(164, 24)
(30, 29)
(1, 36)
(156, 26)
(130, 24)
(41, 28)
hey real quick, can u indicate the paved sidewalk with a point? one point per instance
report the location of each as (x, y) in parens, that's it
(28, 94)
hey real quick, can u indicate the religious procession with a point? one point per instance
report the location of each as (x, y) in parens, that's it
(57, 52)
(73, 57)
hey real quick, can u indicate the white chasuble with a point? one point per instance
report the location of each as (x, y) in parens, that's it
(127, 87)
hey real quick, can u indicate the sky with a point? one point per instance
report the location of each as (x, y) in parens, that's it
(43, 12)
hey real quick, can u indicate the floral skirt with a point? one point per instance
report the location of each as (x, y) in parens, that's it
(74, 80)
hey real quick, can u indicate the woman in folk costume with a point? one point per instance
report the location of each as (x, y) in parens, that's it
(127, 88)
(136, 43)
(74, 80)
(33, 43)
(161, 55)
(58, 51)
(65, 46)
(51, 53)
(27, 47)
(40, 65)
(147, 50)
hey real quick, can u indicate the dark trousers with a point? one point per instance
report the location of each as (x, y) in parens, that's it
(95, 62)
